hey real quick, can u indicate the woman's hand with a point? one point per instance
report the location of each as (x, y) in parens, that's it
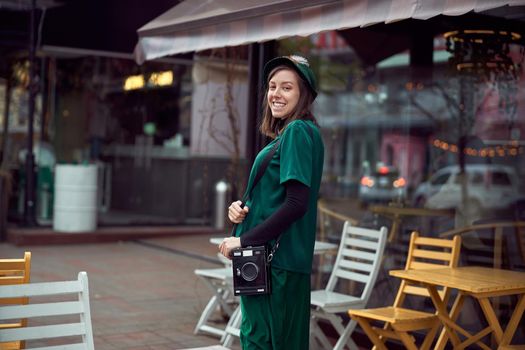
(236, 214)
(228, 244)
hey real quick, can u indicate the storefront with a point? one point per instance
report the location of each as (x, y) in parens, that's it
(420, 88)
(138, 124)
(422, 111)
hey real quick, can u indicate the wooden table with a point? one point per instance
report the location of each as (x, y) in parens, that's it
(396, 214)
(480, 283)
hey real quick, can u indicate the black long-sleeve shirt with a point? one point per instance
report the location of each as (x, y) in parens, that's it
(294, 207)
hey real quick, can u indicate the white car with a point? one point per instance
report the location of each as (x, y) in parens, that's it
(489, 186)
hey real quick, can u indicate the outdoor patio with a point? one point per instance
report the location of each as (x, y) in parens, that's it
(143, 294)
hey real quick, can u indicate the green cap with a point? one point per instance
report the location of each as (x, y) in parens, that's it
(299, 64)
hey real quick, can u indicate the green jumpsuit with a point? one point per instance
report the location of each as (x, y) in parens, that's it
(281, 319)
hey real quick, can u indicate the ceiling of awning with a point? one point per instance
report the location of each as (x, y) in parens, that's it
(195, 25)
(26, 5)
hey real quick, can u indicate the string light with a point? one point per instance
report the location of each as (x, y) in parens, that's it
(481, 51)
(499, 151)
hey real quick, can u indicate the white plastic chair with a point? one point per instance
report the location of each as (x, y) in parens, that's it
(212, 347)
(220, 282)
(233, 328)
(79, 333)
(358, 261)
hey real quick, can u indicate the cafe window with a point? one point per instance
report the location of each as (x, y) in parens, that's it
(455, 115)
(450, 134)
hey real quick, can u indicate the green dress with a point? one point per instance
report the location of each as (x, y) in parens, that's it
(281, 319)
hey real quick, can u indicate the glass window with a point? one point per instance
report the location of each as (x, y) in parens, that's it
(425, 116)
(441, 179)
(500, 179)
(476, 178)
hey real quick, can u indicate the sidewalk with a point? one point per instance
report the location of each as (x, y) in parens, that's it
(144, 294)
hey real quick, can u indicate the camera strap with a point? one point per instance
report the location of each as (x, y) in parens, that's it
(258, 176)
(260, 172)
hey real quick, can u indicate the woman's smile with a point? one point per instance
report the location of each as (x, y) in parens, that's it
(283, 93)
(278, 105)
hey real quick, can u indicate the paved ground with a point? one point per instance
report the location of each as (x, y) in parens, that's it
(144, 294)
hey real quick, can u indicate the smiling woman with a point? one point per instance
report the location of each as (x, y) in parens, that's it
(280, 210)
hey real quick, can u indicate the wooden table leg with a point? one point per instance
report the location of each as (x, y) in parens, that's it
(498, 261)
(498, 247)
(454, 313)
(396, 223)
(491, 317)
(514, 321)
(443, 314)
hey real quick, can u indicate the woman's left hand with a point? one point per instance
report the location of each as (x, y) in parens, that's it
(228, 244)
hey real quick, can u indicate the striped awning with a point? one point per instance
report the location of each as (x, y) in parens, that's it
(195, 25)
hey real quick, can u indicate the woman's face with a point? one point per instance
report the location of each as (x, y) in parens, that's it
(283, 93)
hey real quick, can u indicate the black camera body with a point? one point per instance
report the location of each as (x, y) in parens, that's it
(251, 271)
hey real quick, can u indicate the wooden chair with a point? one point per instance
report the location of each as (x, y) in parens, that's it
(14, 271)
(75, 335)
(358, 261)
(423, 253)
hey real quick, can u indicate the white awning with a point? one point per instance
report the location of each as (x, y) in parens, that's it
(195, 25)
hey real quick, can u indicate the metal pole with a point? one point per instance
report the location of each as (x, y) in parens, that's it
(421, 54)
(253, 100)
(5, 187)
(29, 204)
(45, 93)
(5, 134)
(267, 51)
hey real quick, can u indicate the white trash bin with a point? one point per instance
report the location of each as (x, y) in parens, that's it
(75, 208)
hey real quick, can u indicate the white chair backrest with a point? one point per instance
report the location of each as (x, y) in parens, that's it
(359, 257)
(52, 308)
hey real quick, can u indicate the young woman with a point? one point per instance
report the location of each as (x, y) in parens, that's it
(283, 203)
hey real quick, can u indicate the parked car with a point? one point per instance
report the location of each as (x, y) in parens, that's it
(383, 184)
(489, 186)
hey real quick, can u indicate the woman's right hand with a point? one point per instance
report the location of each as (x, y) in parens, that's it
(236, 214)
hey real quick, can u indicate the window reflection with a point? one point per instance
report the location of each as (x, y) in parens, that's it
(447, 137)
(426, 148)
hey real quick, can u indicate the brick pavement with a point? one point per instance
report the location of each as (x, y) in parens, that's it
(144, 295)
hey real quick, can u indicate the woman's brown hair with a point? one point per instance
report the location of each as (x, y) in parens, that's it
(271, 126)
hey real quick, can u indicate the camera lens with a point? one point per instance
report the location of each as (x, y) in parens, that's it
(249, 271)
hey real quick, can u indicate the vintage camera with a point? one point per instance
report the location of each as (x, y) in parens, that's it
(251, 272)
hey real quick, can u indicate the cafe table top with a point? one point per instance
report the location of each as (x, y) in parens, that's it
(471, 279)
(409, 211)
